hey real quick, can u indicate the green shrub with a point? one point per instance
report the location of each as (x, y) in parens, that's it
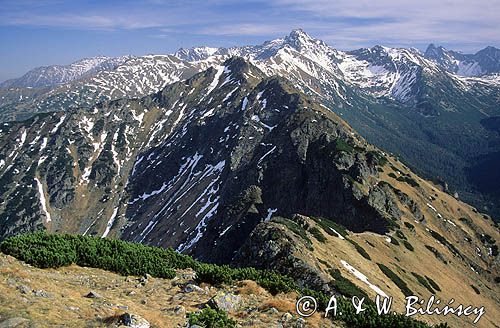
(409, 225)
(360, 249)
(317, 234)
(325, 263)
(424, 282)
(369, 243)
(405, 178)
(344, 286)
(395, 278)
(394, 241)
(294, 227)
(494, 250)
(392, 224)
(408, 245)
(400, 235)
(341, 145)
(433, 284)
(446, 243)
(436, 253)
(328, 225)
(409, 180)
(379, 158)
(467, 221)
(211, 318)
(51, 251)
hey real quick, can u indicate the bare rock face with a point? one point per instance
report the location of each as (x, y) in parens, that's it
(93, 294)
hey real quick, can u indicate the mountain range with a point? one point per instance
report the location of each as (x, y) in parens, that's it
(50, 76)
(291, 156)
(412, 104)
(484, 62)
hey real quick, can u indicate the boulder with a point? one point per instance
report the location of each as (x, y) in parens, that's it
(17, 322)
(134, 321)
(225, 301)
(192, 288)
(93, 294)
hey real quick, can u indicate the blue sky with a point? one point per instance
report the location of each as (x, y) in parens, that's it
(44, 32)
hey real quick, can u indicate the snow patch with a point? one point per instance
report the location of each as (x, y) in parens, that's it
(111, 221)
(244, 104)
(43, 201)
(363, 278)
(336, 232)
(215, 82)
(56, 127)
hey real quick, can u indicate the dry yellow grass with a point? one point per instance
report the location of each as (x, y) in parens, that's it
(156, 301)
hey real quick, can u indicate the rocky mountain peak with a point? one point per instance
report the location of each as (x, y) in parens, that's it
(299, 35)
(484, 62)
(432, 51)
(490, 56)
(299, 40)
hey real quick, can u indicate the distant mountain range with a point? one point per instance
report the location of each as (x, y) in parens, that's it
(483, 62)
(50, 76)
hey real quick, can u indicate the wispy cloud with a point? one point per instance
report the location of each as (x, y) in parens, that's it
(82, 21)
(106, 15)
(343, 23)
(405, 22)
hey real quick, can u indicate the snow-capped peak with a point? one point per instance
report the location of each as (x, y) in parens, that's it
(299, 38)
(195, 54)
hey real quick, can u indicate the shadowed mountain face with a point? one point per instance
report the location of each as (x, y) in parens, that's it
(228, 146)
